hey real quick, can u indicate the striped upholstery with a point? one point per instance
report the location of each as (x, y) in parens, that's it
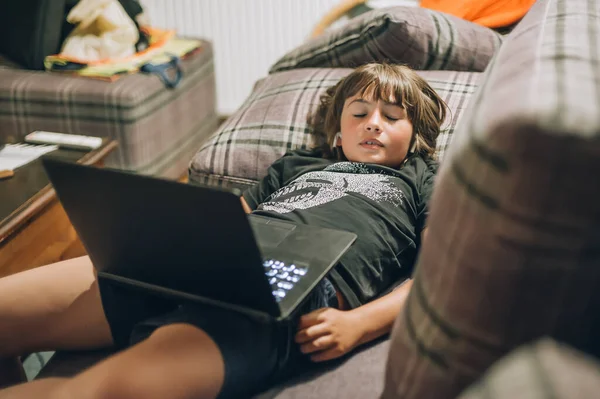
(158, 129)
(513, 248)
(273, 120)
(541, 370)
(421, 38)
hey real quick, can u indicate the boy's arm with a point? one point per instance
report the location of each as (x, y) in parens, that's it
(328, 333)
(378, 316)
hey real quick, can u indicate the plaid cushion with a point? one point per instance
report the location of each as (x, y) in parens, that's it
(419, 37)
(158, 129)
(512, 251)
(273, 120)
(545, 369)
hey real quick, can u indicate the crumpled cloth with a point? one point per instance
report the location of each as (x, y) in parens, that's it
(104, 31)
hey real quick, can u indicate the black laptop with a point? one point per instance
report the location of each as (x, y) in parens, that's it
(193, 242)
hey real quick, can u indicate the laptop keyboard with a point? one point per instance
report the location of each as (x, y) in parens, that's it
(282, 276)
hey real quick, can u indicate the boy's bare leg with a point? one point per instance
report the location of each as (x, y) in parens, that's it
(177, 361)
(51, 307)
(36, 389)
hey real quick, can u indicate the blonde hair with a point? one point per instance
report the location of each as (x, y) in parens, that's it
(397, 84)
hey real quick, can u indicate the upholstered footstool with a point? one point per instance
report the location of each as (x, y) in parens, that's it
(158, 129)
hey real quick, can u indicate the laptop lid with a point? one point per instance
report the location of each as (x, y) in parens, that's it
(141, 228)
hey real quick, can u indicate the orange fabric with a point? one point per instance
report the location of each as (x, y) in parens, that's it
(491, 13)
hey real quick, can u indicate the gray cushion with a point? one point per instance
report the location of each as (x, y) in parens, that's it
(544, 369)
(514, 230)
(273, 120)
(419, 37)
(357, 376)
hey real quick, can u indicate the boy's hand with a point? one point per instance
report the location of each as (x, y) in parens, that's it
(328, 333)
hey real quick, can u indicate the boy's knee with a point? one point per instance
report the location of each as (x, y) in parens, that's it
(148, 382)
(178, 361)
(122, 384)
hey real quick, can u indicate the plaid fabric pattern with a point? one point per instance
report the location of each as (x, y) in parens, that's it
(419, 37)
(545, 369)
(513, 244)
(273, 120)
(220, 181)
(456, 89)
(158, 129)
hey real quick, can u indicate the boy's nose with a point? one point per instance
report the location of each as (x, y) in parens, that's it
(373, 125)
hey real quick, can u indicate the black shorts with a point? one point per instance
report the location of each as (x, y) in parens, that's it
(257, 352)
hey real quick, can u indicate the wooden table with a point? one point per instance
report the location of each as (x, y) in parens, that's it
(34, 228)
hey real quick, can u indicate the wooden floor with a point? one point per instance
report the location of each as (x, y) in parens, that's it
(48, 238)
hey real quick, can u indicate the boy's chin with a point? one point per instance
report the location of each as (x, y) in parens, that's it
(374, 158)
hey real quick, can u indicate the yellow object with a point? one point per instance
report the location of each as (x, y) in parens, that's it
(163, 45)
(490, 13)
(334, 14)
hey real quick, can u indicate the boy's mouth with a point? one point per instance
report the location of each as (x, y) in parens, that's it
(371, 143)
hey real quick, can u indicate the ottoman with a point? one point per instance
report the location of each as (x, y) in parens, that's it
(158, 129)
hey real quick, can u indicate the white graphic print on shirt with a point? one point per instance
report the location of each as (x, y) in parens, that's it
(334, 182)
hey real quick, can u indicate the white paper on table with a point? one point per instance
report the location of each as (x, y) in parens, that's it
(13, 156)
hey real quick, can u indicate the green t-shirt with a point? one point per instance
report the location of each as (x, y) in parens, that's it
(385, 207)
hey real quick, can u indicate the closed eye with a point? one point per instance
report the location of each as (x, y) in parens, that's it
(359, 115)
(391, 118)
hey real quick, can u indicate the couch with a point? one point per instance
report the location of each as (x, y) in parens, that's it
(506, 291)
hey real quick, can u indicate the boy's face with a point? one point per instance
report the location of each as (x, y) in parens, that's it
(375, 132)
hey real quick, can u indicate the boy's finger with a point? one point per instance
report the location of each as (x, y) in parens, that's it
(325, 355)
(320, 344)
(310, 319)
(311, 333)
